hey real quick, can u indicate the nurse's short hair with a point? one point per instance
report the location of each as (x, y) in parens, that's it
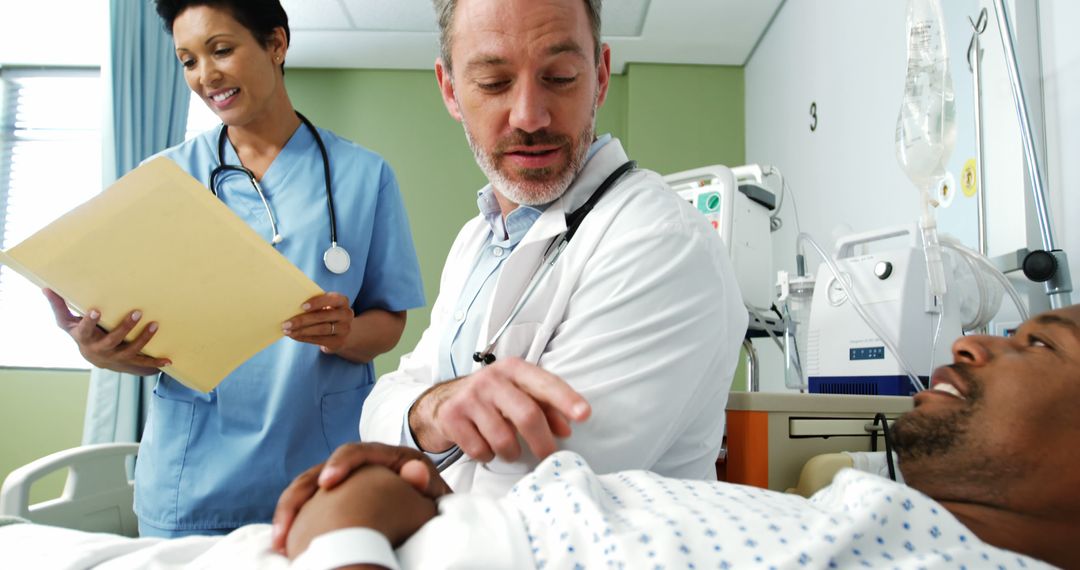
(260, 17)
(444, 13)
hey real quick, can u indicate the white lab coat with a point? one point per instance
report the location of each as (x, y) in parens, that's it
(641, 315)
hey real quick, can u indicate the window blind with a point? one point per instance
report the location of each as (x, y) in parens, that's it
(50, 162)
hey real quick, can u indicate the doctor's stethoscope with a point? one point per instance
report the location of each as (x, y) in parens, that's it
(551, 255)
(336, 258)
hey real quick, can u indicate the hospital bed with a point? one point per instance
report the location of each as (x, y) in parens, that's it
(792, 442)
(43, 546)
(97, 496)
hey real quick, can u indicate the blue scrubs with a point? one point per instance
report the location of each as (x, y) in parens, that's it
(214, 462)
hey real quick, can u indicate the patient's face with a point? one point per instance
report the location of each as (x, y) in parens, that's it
(1003, 418)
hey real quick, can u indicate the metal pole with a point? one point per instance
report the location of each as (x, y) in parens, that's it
(752, 366)
(975, 63)
(1057, 288)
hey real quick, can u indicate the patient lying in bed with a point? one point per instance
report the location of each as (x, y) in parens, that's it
(564, 516)
(986, 453)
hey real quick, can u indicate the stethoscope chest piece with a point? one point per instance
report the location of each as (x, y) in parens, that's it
(337, 259)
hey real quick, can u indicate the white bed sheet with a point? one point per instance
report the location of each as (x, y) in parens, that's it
(53, 548)
(564, 516)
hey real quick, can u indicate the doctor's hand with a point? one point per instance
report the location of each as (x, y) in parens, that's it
(412, 466)
(326, 321)
(108, 349)
(483, 413)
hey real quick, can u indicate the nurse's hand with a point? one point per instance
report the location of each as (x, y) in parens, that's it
(108, 349)
(326, 321)
(483, 413)
(412, 466)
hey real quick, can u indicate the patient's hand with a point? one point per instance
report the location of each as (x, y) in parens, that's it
(372, 497)
(413, 466)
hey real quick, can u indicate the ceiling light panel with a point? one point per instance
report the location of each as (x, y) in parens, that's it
(392, 15)
(317, 15)
(624, 18)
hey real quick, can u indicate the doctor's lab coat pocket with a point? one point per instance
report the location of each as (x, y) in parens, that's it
(518, 340)
(341, 415)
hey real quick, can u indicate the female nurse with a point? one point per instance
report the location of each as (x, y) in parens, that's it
(210, 463)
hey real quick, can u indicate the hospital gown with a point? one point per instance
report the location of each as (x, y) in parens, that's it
(564, 516)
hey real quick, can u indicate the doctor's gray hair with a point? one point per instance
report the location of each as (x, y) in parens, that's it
(444, 12)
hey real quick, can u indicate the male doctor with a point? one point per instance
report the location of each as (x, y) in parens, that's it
(636, 326)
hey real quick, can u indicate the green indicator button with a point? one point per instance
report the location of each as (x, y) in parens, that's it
(709, 203)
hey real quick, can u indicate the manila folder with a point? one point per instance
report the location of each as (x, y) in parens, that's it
(158, 241)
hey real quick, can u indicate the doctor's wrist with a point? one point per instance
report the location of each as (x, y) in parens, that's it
(425, 431)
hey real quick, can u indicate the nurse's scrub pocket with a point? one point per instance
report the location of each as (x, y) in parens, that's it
(161, 454)
(341, 416)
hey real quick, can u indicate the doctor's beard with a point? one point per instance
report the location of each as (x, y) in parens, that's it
(540, 186)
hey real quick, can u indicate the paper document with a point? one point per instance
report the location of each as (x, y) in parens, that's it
(157, 240)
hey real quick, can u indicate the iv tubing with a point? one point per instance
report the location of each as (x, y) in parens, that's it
(1005, 283)
(870, 321)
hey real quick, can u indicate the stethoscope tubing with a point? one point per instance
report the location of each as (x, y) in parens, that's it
(336, 258)
(574, 221)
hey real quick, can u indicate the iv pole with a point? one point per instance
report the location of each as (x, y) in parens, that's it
(975, 64)
(1049, 266)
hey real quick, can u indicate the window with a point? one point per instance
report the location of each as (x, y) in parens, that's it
(50, 162)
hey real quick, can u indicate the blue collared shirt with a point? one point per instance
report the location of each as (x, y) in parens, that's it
(460, 338)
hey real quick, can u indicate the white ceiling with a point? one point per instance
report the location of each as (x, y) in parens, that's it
(401, 34)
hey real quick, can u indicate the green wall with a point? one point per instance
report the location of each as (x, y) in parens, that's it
(41, 411)
(668, 117)
(400, 115)
(685, 116)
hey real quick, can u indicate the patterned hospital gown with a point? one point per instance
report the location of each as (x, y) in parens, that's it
(564, 516)
(576, 519)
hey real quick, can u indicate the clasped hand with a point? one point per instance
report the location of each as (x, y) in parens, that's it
(395, 505)
(482, 413)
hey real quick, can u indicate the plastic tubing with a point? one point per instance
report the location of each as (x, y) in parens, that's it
(757, 317)
(985, 263)
(870, 321)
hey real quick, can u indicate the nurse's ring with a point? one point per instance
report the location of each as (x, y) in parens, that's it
(332, 325)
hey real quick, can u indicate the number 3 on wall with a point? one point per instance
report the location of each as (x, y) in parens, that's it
(813, 116)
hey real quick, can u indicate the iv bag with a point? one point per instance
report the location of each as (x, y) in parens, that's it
(926, 127)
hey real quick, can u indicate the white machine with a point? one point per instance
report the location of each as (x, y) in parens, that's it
(739, 208)
(843, 355)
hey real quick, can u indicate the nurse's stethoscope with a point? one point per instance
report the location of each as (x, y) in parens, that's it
(551, 255)
(335, 258)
